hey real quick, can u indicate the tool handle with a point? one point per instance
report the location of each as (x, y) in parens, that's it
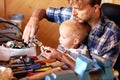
(56, 64)
(46, 61)
(41, 76)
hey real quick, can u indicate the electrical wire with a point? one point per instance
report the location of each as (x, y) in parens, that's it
(8, 22)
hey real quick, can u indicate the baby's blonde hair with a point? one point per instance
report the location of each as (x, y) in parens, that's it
(78, 30)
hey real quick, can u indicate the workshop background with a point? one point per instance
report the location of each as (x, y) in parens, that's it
(48, 32)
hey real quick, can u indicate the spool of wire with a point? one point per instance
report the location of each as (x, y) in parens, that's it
(10, 44)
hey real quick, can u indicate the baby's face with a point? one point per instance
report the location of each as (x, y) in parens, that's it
(66, 39)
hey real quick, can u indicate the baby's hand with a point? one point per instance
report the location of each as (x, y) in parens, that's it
(44, 49)
(45, 52)
(49, 52)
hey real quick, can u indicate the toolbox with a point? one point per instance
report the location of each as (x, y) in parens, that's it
(10, 32)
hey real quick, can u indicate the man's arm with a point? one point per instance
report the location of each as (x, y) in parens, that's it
(39, 14)
(57, 15)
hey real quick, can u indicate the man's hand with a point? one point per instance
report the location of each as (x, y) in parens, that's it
(30, 29)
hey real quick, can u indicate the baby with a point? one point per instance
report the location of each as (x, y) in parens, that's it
(72, 37)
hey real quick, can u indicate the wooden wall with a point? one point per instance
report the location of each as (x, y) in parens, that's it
(48, 32)
(116, 1)
(112, 1)
(2, 8)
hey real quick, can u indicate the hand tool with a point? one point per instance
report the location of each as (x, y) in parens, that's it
(41, 76)
(39, 43)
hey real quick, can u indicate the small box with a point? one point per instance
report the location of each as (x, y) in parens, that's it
(6, 53)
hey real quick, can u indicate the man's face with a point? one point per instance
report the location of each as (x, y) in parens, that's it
(82, 11)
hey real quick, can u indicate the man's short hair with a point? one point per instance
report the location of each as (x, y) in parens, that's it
(94, 2)
(91, 2)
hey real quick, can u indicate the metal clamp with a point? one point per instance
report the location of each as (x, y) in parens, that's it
(36, 41)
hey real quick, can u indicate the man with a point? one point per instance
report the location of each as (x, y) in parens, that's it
(104, 35)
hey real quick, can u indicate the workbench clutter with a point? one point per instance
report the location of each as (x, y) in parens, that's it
(38, 68)
(11, 38)
(23, 66)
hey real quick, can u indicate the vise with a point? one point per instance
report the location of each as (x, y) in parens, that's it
(83, 65)
(105, 67)
(86, 69)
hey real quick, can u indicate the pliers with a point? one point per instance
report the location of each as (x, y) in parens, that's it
(37, 42)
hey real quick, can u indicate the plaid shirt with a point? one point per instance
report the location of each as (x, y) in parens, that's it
(58, 15)
(103, 40)
(74, 53)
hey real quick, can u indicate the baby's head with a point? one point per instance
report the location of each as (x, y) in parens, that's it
(73, 33)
